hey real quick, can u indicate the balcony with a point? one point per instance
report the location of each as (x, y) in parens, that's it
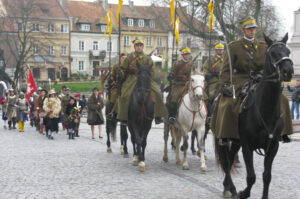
(97, 54)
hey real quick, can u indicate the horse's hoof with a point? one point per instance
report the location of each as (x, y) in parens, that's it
(237, 165)
(126, 155)
(203, 168)
(122, 150)
(227, 194)
(178, 162)
(142, 167)
(185, 167)
(194, 152)
(109, 150)
(135, 161)
(165, 159)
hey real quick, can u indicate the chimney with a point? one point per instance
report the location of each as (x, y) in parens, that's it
(130, 2)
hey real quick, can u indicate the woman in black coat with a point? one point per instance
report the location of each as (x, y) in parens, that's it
(95, 117)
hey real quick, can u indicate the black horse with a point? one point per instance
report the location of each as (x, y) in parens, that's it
(140, 115)
(261, 123)
(111, 128)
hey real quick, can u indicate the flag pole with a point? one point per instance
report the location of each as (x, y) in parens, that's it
(173, 43)
(119, 40)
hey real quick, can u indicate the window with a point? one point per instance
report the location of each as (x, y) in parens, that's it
(108, 46)
(152, 24)
(188, 42)
(50, 28)
(20, 48)
(64, 28)
(35, 27)
(85, 27)
(130, 22)
(51, 73)
(159, 41)
(36, 50)
(141, 23)
(36, 73)
(103, 28)
(95, 45)
(51, 50)
(64, 50)
(20, 26)
(149, 41)
(81, 66)
(126, 40)
(81, 45)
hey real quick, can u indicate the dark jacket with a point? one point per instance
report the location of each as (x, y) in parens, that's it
(296, 93)
(69, 108)
(94, 106)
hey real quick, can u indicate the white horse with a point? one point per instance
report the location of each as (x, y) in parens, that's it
(191, 116)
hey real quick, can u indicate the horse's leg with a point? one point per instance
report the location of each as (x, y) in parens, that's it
(193, 137)
(201, 135)
(225, 160)
(108, 129)
(267, 175)
(251, 177)
(142, 165)
(166, 137)
(124, 136)
(133, 140)
(185, 147)
(177, 137)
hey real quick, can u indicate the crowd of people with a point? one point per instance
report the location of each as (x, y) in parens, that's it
(46, 109)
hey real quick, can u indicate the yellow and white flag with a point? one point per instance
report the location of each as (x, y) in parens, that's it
(108, 19)
(173, 8)
(177, 31)
(210, 6)
(119, 10)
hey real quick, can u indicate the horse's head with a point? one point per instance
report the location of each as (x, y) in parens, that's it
(278, 54)
(143, 84)
(196, 86)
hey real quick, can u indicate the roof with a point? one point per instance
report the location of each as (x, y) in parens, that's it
(36, 8)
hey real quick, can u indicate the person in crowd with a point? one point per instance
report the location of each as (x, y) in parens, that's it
(71, 117)
(95, 117)
(80, 105)
(52, 107)
(295, 99)
(83, 99)
(11, 108)
(162, 88)
(64, 102)
(22, 111)
(3, 102)
(40, 114)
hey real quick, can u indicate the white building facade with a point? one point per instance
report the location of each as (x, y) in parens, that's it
(295, 44)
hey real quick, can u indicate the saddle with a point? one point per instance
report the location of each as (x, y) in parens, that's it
(247, 93)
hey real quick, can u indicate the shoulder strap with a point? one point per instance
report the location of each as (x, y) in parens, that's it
(184, 67)
(215, 64)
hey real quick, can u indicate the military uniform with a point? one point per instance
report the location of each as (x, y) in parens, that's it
(129, 74)
(211, 70)
(225, 121)
(113, 92)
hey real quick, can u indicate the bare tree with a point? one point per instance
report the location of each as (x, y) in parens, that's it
(20, 34)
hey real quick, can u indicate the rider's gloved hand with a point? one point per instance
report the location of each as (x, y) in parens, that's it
(228, 91)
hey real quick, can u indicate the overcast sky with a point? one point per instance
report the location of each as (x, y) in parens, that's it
(285, 9)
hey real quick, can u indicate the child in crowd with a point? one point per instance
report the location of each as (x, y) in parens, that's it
(72, 115)
(22, 111)
(3, 103)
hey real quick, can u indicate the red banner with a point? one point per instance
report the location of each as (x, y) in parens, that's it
(31, 86)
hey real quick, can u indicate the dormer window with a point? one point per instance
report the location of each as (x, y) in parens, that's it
(103, 28)
(85, 27)
(141, 23)
(152, 24)
(130, 22)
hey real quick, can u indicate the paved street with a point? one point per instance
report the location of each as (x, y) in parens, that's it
(32, 166)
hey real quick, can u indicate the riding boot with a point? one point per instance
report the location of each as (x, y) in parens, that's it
(172, 112)
(286, 139)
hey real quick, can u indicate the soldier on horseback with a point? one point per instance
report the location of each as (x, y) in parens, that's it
(178, 77)
(247, 56)
(128, 73)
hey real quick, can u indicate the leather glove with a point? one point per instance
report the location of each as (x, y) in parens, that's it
(171, 76)
(228, 92)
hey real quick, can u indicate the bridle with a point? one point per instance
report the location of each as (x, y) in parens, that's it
(277, 62)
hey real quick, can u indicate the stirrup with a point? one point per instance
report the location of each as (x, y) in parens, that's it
(223, 142)
(172, 120)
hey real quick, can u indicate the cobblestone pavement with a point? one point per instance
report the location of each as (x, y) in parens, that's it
(32, 166)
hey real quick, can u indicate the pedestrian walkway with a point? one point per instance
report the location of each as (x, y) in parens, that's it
(32, 166)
